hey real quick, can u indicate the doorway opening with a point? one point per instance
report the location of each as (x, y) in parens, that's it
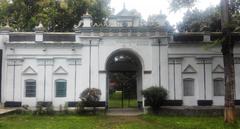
(1, 75)
(124, 80)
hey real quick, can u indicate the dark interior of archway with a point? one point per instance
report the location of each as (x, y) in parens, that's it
(122, 68)
(123, 62)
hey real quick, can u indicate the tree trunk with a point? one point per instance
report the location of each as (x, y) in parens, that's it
(228, 59)
(229, 74)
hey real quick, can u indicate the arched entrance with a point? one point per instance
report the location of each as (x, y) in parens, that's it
(124, 80)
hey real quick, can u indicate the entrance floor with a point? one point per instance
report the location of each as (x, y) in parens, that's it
(123, 90)
(116, 100)
(124, 112)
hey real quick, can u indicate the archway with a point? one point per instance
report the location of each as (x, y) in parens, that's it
(124, 80)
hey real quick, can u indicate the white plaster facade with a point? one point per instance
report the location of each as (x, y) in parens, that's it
(165, 62)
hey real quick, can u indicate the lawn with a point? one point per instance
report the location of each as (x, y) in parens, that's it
(115, 101)
(107, 122)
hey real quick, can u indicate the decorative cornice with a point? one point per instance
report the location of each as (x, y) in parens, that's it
(122, 29)
(47, 62)
(204, 60)
(75, 61)
(44, 44)
(175, 60)
(15, 62)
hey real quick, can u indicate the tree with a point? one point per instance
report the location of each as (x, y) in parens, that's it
(229, 10)
(100, 11)
(56, 15)
(3, 11)
(178, 4)
(196, 20)
(228, 59)
(159, 20)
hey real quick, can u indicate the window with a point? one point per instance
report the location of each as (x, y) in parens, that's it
(61, 87)
(188, 87)
(218, 87)
(30, 87)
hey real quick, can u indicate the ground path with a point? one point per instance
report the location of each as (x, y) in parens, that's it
(124, 112)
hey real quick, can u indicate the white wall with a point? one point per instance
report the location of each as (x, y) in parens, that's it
(143, 46)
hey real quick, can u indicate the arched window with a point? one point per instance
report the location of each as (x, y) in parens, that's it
(30, 88)
(61, 87)
(218, 87)
(188, 87)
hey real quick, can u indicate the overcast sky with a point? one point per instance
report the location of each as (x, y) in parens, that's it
(149, 7)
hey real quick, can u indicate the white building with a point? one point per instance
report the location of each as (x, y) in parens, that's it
(56, 67)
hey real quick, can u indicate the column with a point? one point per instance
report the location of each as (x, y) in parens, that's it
(175, 79)
(205, 81)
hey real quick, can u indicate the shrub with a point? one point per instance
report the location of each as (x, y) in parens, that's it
(154, 97)
(39, 110)
(90, 97)
(50, 109)
(60, 108)
(80, 108)
(65, 108)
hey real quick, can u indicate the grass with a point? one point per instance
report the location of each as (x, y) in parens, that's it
(107, 122)
(116, 101)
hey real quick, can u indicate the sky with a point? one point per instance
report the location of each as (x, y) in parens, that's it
(150, 7)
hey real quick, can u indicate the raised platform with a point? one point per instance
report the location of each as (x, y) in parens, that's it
(4, 111)
(194, 110)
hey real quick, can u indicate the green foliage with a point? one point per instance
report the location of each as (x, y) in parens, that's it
(56, 15)
(155, 96)
(157, 20)
(40, 110)
(80, 108)
(115, 101)
(60, 108)
(123, 81)
(65, 108)
(208, 20)
(178, 4)
(197, 20)
(3, 11)
(100, 11)
(108, 122)
(90, 97)
(50, 109)
(213, 44)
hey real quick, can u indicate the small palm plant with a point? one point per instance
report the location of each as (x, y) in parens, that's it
(155, 96)
(90, 97)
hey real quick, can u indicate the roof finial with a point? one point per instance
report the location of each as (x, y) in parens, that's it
(39, 27)
(124, 5)
(87, 12)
